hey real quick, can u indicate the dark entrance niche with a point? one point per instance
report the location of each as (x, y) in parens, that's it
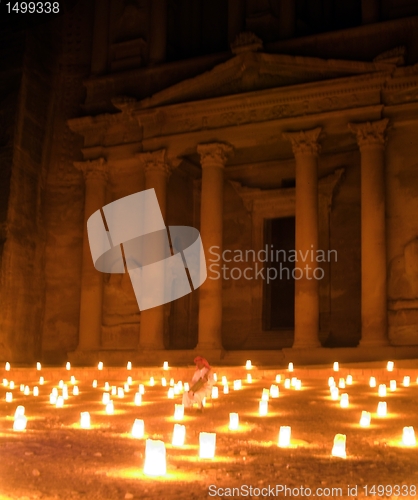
(279, 294)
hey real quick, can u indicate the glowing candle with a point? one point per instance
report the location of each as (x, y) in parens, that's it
(26, 392)
(36, 391)
(390, 366)
(249, 378)
(105, 398)
(293, 381)
(126, 387)
(178, 412)
(138, 399)
(215, 393)
(100, 365)
(406, 381)
(265, 395)
(129, 381)
(138, 429)
(7, 366)
(76, 391)
(110, 408)
(22, 387)
(170, 393)
(186, 387)
(233, 421)
(290, 367)
(341, 383)
(53, 398)
(38, 366)
(408, 437)
(338, 450)
(274, 391)
(382, 409)
(287, 383)
(68, 366)
(54, 391)
(392, 385)
(5, 382)
(298, 385)
(65, 392)
(263, 408)
(165, 365)
(278, 379)
(365, 419)
(163, 382)
(382, 390)
(12, 384)
(151, 381)
(114, 390)
(20, 410)
(73, 380)
(224, 380)
(107, 386)
(129, 366)
(372, 382)
(335, 393)
(336, 366)
(121, 393)
(61, 384)
(226, 389)
(60, 402)
(179, 435)
(284, 436)
(85, 420)
(41, 381)
(349, 380)
(207, 444)
(94, 384)
(248, 364)
(9, 397)
(141, 389)
(331, 382)
(19, 423)
(155, 461)
(344, 400)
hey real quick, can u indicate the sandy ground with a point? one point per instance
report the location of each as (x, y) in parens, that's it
(56, 459)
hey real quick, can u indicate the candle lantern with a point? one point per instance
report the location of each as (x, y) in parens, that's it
(100, 365)
(263, 408)
(226, 389)
(141, 389)
(138, 429)
(390, 366)
(248, 364)
(372, 382)
(178, 412)
(233, 421)
(5, 382)
(341, 383)
(60, 402)
(298, 385)
(151, 381)
(336, 367)
(26, 391)
(20, 410)
(293, 381)
(284, 436)
(287, 383)
(215, 377)
(155, 461)
(22, 387)
(121, 393)
(53, 398)
(126, 387)
(349, 380)
(274, 391)
(338, 450)
(179, 435)
(406, 381)
(129, 380)
(105, 398)
(129, 366)
(76, 391)
(36, 391)
(265, 395)
(335, 393)
(170, 393)
(215, 393)
(207, 444)
(163, 382)
(65, 392)
(186, 387)
(408, 437)
(7, 366)
(290, 367)
(382, 390)
(38, 366)
(365, 419)
(249, 378)
(72, 379)
(110, 408)
(237, 385)
(382, 409)
(61, 384)
(392, 385)
(41, 380)
(94, 384)
(165, 365)
(9, 397)
(278, 379)
(171, 383)
(114, 390)
(85, 420)
(68, 366)
(19, 423)
(331, 382)
(54, 391)
(176, 389)
(107, 386)
(344, 400)
(12, 384)
(138, 399)
(224, 380)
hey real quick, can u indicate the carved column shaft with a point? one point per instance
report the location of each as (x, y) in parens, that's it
(306, 148)
(90, 324)
(370, 138)
(157, 172)
(213, 158)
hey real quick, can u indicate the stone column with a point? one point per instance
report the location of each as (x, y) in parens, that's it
(370, 138)
(306, 148)
(90, 326)
(157, 172)
(212, 158)
(158, 31)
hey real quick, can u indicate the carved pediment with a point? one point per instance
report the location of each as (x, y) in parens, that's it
(251, 71)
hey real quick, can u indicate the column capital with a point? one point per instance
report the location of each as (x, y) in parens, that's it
(370, 133)
(93, 169)
(214, 154)
(158, 161)
(304, 142)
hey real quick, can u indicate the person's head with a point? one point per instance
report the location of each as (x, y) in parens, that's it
(201, 363)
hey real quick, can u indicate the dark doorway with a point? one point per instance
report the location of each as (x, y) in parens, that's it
(279, 294)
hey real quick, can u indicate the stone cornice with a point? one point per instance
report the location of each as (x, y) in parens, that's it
(214, 154)
(93, 169)
(370, 134)
(304, 142)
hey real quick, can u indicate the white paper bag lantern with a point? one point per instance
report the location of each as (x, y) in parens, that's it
(53, 398)
(165, 365)
(110, 408)
(331, 382)
(207, 444)
(60, 402)
(179, 435)
(233, 421)
(406, 381)
(382, 409)
(72, 380)
(170, 393)
(265, 395)
(129, 380)
(335, 393)
(178, 412)
(26, 391)
(138, 399)
(85, 420)
(287, 383)
(12, 384)
(129, 366)
(138, 429)
(94, 384)
(107, 386)
(9, 397)
(372, 382)
(68, 366)
(215, 393)
(163, 382)
(19, 423)
(365, 419)
(141, 389)
(126, 387)
(76, 391)
(151, 381)
(248, 364)
(121, 393)
(36, 391)
(65, 392)
(263, 408)
(7, 366)
(249, 378)
(284, 436)
(341, 383)
(290, 367)
(278, 379)
(5, 382)
(20, 410)
(274, 391)
(338, 450)
(336, 366)
(226, 389)
(392, 385)
(61, 384)
(408, 437)
(298, 385)
(41, 380)
(390, 366)
(155, 460)
(237, 385)
(100, 365)
(344, 403)
(38, 366)
(186, 387)
(349, 380)
(382, 390)
(105, 398)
